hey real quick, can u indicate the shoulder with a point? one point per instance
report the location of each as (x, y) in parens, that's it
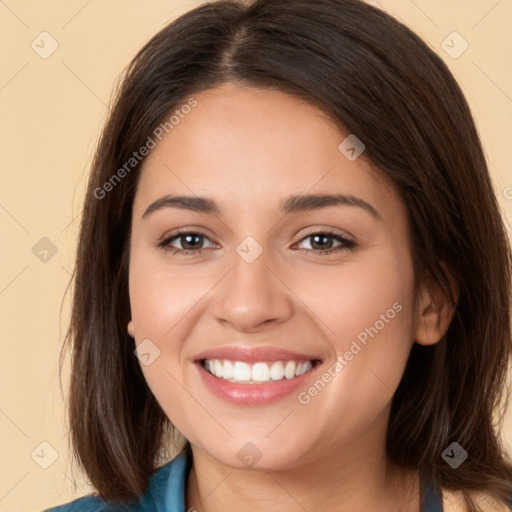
(165, 492)
(454, 502)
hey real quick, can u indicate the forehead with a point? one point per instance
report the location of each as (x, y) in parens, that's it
(244, 145)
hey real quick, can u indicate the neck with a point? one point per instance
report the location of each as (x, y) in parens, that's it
(356, 476)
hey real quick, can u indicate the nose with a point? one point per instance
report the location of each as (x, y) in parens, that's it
(253, 296)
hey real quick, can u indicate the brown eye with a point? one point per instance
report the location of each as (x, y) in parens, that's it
(322, 242)
(190, 241)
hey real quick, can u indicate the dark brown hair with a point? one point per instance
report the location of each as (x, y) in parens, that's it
(377, 79)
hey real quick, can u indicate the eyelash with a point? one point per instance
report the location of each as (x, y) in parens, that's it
(346, 244)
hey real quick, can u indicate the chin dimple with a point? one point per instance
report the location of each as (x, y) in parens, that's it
(241, 372)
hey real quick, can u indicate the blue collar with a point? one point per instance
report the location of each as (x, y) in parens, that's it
(431, 497)
(166, 489)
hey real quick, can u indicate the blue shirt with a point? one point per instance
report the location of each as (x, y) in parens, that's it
(166, 493)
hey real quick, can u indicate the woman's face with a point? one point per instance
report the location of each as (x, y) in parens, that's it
(252, 295)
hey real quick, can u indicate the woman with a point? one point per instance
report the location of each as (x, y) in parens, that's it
(292, 272)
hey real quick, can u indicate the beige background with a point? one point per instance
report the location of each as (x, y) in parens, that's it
(51, 112)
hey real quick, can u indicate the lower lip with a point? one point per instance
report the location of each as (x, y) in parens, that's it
(253, 394)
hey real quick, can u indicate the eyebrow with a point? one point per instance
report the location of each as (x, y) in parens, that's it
(292, 204)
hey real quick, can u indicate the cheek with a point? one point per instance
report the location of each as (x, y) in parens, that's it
(165, 302)
(161, 305)
(365, 295)
(162, 294)
(368, 319)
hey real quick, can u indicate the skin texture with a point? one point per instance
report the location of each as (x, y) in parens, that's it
(249, 149)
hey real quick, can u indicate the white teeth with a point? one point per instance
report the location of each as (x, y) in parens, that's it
(260, 372)
(218, 367)
(241, 372)
(277, 371)
(303, 367)
(289, 371)
(227, 372)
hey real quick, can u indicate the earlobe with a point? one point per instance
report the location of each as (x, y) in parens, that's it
(131, 330)
(434, 313)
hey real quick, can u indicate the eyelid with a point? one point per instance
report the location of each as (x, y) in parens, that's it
(185, 231)
(329, 230)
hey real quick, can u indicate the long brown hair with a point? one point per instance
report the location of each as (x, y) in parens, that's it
(379, 80)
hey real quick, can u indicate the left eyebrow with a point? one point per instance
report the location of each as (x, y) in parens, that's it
(292, 204)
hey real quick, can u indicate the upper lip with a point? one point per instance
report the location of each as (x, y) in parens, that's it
(253, 354)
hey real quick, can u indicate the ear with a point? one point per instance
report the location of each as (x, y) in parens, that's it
(131, 330)
(434, 312)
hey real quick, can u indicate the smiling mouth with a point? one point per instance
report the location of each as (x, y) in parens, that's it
(241, 372)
